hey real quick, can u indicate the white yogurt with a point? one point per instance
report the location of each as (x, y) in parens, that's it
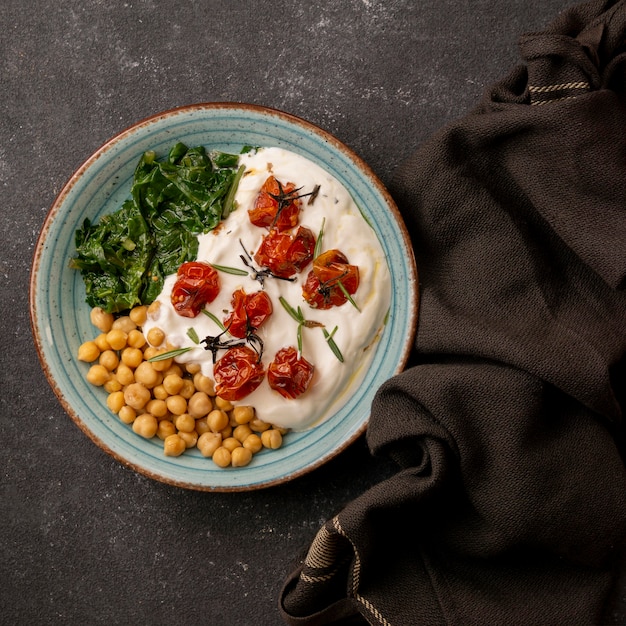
(357, 332)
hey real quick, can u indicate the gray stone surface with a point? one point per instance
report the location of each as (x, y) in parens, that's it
(83, 540)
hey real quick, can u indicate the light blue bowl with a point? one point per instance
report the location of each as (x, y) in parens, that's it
(60, 317)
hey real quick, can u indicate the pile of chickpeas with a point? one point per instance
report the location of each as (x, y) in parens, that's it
(168, 400)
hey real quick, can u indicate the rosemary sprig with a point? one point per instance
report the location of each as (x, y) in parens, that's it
(193, 335)
(331, 343)
(229, 270)
(170, 354)
(318, 243)
(347, 295)
(298, 316)
(214, 318)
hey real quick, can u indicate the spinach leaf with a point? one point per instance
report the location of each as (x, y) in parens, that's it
(125, 257)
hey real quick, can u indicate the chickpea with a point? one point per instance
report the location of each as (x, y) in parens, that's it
(272, 439)
(199, 404)
(204, 383)
(192, 368)
(157, 407)
(98, 375)
(124, 374)
(101, 342)
(243, 414)
(160, 392)
(88, 351)
(230, 443)
(165, 429)
(112, 385)
(132, 356)
(127, 414)
(176, 404)
(137, 396)
(185, 423)
(188, 389)
(174, 369)
(162, 365)
(226, 432)
(202, 426)
(115, 401)
(222, 457)
(217, 420)
(109, 359)
(136, 339)
(173, 445)
(153, 309)
(146, 374)
(208, 443)
(139, 314)
(117, 338)
(240, 457)
(253, 443)
(124, 323)
(155, 336)
(259, 426)
(150, 352)
(172, 384)
(101, 319)
(190, 439)
(225, 405)
(145, 425)
(242, 432)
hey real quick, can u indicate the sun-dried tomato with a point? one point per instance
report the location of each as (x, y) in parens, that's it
(284, 254)
(289, 374)
(196, 285)
(249, 312)
(323, 286)
(237, 373)
(277, 206)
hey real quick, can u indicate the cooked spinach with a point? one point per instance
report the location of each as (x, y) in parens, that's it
(124, 258)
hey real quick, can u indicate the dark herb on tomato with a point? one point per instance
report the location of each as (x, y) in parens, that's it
(331, 282)
(196, 284)
(238, 373)
(289, 373)
(259, 274)
(249, 312)
(286, 254)
(276, 206)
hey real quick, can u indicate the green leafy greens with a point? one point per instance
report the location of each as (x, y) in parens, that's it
(125, 257)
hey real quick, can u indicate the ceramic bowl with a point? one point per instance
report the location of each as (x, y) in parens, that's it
(60, 316)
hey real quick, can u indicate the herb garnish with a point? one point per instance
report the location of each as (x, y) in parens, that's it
(124, 258)
(298, 316)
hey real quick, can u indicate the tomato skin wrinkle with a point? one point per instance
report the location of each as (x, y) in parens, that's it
(276, 206)
(250, 311)
(286, 254)
(238, 373)
(196, 284)
(331, 270)
(289, 374)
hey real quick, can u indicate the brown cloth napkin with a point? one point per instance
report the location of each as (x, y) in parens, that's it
(509, 504)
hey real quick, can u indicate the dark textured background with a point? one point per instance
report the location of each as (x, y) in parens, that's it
(84, 540)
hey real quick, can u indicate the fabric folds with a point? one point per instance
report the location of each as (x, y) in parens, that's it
(509, 504)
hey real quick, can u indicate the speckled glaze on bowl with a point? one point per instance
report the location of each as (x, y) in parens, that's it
(60, 317)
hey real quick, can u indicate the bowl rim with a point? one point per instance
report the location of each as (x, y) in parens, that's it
(57, 203)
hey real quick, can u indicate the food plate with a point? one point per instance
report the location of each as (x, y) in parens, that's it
(60, 316)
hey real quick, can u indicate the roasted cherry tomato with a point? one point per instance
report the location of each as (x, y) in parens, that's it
(250, 310)
(237, 373)
(285, 254)
(196, 284)
(276, 206)
(322, 288)
(288, 374)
